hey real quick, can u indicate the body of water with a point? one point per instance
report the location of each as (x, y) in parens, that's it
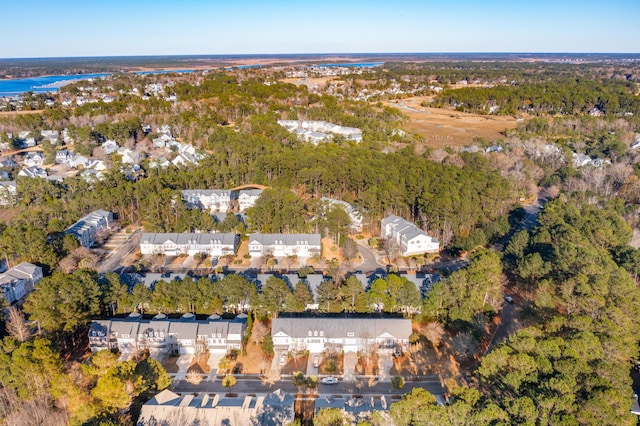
(44, 84)
(356, 65)
(52, 83)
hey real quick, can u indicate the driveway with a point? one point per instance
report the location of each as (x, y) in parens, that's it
(212, 362)
(385, 362)
(350, 362)
(183, 363)
(311, 370)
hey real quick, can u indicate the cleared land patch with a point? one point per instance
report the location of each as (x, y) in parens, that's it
(443, 127)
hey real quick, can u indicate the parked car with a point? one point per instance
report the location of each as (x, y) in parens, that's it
(316, 360)
(283, 359)
(329, 381)
(509, 299)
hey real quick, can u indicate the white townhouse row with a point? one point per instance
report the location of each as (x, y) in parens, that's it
(316, 131)
(354, 215)
(342, 334)
(283, 245)
(19, 281)
(220, 200)
(88, 228)
(174, 244)
(161, 335)
(410, 239)
(168, 408)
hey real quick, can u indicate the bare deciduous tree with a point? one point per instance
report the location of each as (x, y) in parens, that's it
(433, 331)
(17, 326)
(259, 331)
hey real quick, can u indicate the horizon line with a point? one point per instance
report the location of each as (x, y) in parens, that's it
(316, 54)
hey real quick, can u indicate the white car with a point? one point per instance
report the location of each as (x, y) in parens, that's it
(329, 381)
(283, 359)
(316, 360)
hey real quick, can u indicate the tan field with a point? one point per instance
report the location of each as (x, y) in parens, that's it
(10, 113)
(444, 127)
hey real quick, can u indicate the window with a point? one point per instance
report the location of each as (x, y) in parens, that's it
(321, 333)
(310, 334)
(315, 333)
(350, 334)
(161, 334)
(155, 334)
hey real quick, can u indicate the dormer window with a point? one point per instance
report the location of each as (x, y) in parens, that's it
(321, 333)
(315, 334)
(310, 334)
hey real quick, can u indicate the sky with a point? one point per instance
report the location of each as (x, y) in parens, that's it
(63, 28)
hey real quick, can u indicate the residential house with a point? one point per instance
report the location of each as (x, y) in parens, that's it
(215, 200)
(282, 245)
(33, 172)
(128, 156)
(92, 175)
(8, 193)
(161, 162)
(63, 156)
(109, 146)
(50, 135)
(32, 159)
(8, 163)
(88, 228)
(183, 335)
(168, 408)
(410, 239)
(247, 198)
(19, 281)
(354, 215)
(99, 335)
(123, 334)
(185, 159)
(173, 244)
(162, 336)
(347, 334)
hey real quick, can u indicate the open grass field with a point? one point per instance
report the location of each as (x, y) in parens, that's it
(443, 127)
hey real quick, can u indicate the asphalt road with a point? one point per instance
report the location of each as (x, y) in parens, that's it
(111, 263)
(255, 385)
(370, 263)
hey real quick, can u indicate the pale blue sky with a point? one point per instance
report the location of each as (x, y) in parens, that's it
(43, 28)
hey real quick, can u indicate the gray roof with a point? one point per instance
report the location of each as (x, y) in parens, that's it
(339, 327)
(22, 271)
(158, 326)
(189, 238)
(404, 228)
(285, 239)
(208, 192)
(184, 330)
(250, 192)
(168, 408)
(101, 327)
(125, 326)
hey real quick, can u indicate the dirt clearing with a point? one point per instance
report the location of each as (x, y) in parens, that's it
(443, 127)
